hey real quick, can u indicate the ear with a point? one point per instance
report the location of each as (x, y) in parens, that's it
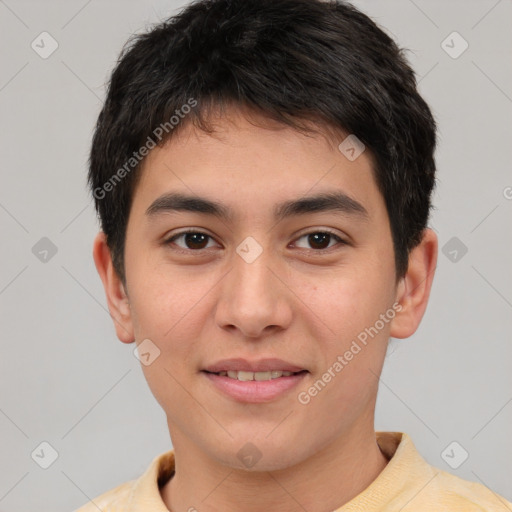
(117, 298)
(414, 288)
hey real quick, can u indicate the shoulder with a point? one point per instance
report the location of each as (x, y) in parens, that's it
(115, 500)
(410, 484)
(455, 494)
(131, 494)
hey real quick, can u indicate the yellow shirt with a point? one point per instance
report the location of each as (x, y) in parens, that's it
(407, 484)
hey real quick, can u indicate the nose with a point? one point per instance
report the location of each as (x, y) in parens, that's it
(253, 300)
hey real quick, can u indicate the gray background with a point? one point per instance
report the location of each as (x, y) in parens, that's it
(67, 380)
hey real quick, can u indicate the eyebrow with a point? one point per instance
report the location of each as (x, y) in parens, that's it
(324, 202)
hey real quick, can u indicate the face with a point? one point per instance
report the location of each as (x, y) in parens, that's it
(288, 266)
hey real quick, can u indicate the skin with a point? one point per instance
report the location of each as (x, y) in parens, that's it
(296, 301)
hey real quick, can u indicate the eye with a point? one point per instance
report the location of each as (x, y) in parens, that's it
(319, 240)
(190, 240)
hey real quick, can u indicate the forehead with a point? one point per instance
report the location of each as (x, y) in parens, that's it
(251, 163)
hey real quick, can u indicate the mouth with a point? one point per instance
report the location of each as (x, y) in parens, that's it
(254, 381)
(257, 382)
(245, 376)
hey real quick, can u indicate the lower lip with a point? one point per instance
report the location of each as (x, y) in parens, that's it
(255, 391)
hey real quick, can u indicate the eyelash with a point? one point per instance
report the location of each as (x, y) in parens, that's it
(170, 240)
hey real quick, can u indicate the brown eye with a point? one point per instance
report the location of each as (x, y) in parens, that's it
(196, 240)
(192, 240)
(319, 240)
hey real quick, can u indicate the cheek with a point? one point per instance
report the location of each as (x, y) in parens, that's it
(345, 304)
(165, 302)
(355, 343)
(173, 311)
(346, 380)
(171, 315)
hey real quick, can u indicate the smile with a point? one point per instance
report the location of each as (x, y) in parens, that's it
(259, 376)
(255, 387)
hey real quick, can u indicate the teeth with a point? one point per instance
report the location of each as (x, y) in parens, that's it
(245, 376)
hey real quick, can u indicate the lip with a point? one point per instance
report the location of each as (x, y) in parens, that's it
(254, 391)
(261, 365)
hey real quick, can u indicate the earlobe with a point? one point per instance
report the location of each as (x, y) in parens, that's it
(117, 298)
(413, 290)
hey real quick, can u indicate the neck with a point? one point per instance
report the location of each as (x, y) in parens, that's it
(325, 481)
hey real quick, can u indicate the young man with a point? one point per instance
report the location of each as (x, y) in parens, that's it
(263, 172)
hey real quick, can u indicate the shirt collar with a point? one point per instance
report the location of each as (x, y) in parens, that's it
(404, 467)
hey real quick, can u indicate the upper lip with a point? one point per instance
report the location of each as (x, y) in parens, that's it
(261, 365)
